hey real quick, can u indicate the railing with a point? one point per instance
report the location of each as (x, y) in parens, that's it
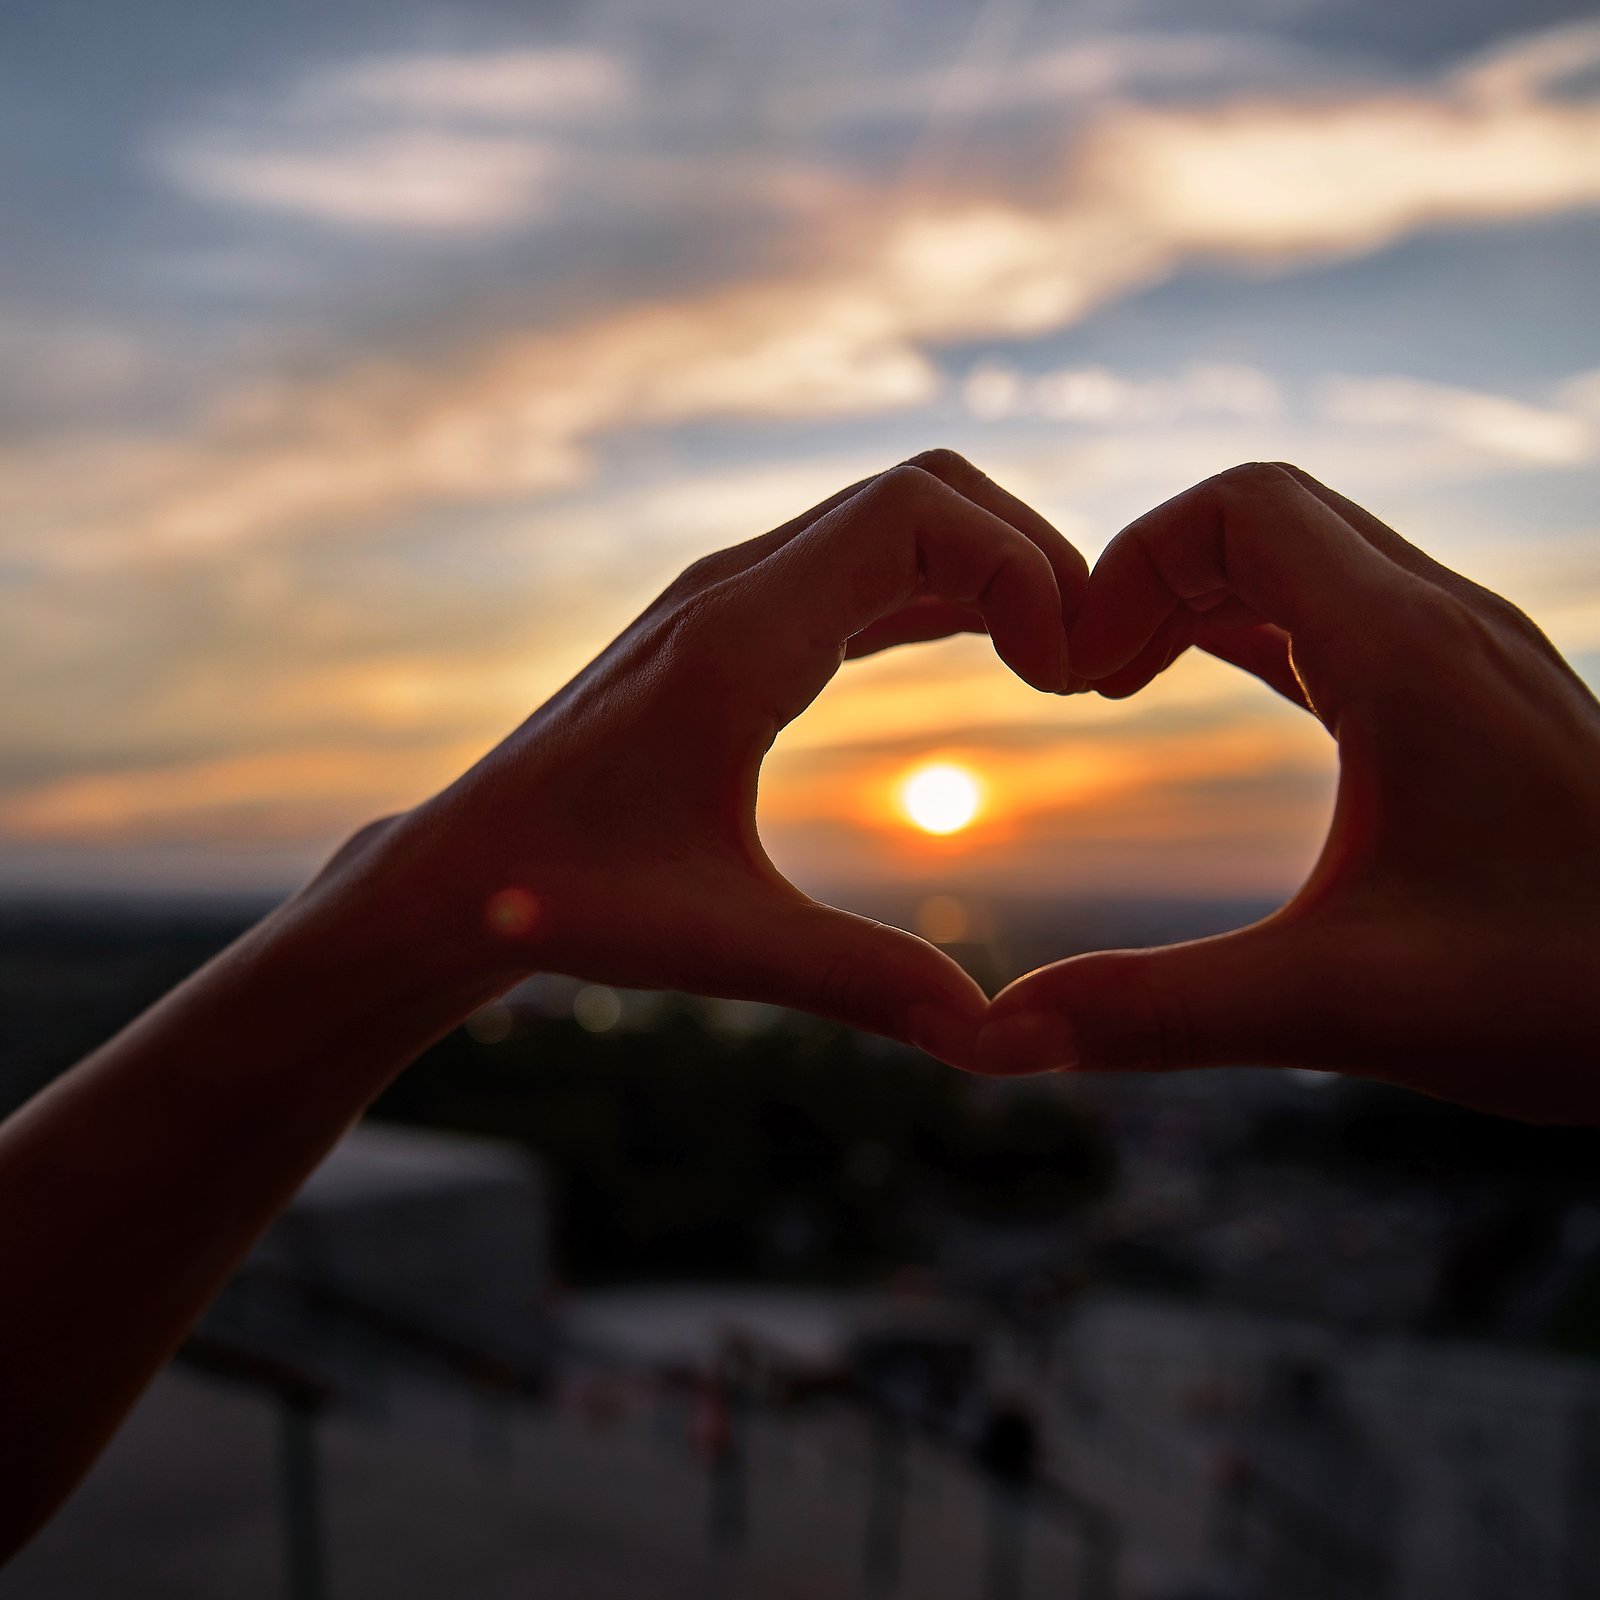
(886, 1493)
(1011, 1509)
(888, 1490)
(1258, 1522)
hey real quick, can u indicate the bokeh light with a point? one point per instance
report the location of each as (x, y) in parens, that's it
(512, 912)
(944, 919)
(596, 1009)
(491, 1024)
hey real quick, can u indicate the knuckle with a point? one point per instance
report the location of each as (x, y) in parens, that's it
(1445, 620)
(698, 576)
(1141, 531)
(363, 841)
(1254, 478)
(691, 621)
(1462, 624)
(1429, 637)
(1144, 1024)
(904, 482)
(1508, 616)
(941, 462)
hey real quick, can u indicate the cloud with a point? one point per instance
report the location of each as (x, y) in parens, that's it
(409, 179)
(1525, 68)
(540, 86)
(515, 421)
(72, 359)
(1495, 424)
(296, 796)
(1564, 432)
(1298, 180)
(1581, 392)
(885, 279)
(1098, 799)
(994, 391)
(428, 143)
(1085, 71)
(848, 317)
(1101, 786)
(1144, 192)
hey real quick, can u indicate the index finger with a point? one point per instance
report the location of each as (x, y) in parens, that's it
(907, 534)
(952, 468)
(1256, 534)
(1066, 561)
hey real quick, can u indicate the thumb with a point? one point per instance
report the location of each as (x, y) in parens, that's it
(811, 957)
(1241, 999)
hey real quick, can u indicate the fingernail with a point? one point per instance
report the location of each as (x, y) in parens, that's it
(1064, 677)
(1031, 1041)
(948, 1035)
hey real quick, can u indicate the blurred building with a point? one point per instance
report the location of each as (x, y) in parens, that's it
(404, 1245)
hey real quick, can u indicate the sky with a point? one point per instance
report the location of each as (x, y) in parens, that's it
(364, 368)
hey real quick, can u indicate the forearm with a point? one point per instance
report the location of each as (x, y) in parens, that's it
(133, 1186)
(612, 836)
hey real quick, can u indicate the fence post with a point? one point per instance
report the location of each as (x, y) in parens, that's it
(304, 1555)
(1581, 1574)
(886, 1505)
(1100, 1556)
(1010, 1508)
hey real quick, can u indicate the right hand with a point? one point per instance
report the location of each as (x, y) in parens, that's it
(1448, 937)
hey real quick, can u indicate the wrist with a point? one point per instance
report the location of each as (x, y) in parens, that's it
(404, 921)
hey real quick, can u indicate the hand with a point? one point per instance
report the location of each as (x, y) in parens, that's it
(613, 836)
(1449, 935)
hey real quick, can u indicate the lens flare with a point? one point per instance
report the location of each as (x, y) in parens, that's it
(512, 912)
(941, 797)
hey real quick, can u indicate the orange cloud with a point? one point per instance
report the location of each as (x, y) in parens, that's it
(300, 796)
(1204, 783)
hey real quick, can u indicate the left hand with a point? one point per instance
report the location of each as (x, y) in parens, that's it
(613, 836)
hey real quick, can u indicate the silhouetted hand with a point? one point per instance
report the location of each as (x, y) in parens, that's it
(613, 836)
(1449, 935)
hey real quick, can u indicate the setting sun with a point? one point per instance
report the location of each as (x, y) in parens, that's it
(941, 797)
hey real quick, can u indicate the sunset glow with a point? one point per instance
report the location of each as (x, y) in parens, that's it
(425, 347)
(941, 797)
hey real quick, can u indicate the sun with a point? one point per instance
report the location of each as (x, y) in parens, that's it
(941, 797)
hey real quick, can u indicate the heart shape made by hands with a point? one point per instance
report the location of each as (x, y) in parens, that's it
(625, 807)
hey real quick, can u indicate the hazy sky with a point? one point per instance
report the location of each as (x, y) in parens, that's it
(364, 367)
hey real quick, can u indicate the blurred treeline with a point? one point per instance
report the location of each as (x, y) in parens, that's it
(802, 1151)
(676, 1145)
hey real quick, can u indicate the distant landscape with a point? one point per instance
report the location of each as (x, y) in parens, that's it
(706, 1140)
